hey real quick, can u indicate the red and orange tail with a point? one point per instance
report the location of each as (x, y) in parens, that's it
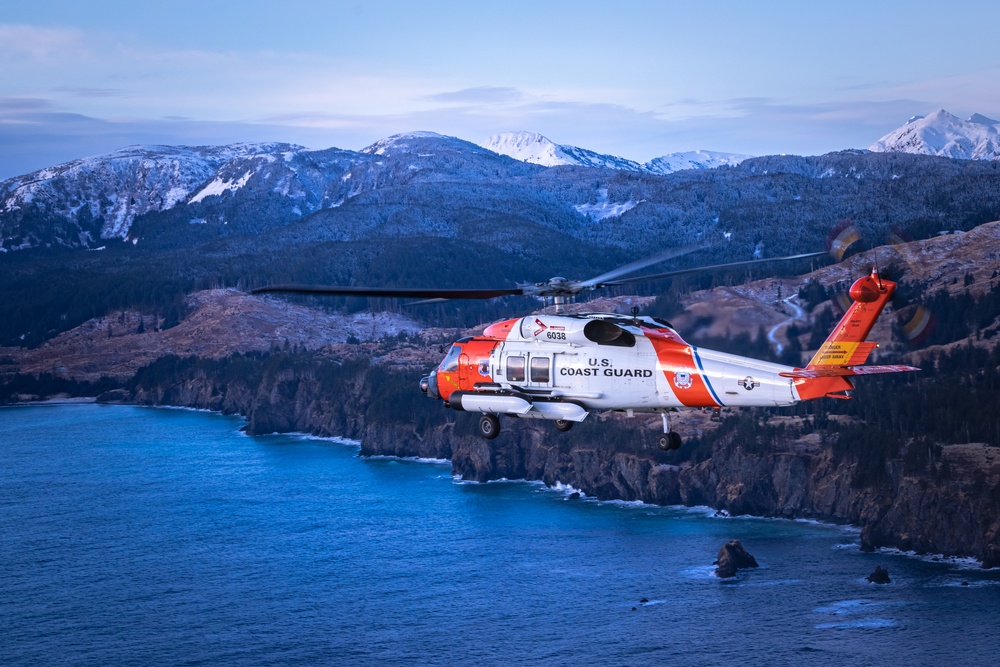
(846, 346)
(842, 354)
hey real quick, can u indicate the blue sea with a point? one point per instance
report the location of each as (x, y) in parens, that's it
(138, 536)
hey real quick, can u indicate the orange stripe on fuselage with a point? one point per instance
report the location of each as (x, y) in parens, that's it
(676, 359)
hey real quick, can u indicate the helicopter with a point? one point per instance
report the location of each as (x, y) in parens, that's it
(563, 367)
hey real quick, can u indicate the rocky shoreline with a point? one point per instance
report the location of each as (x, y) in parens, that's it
(930, 513)
(948, 503)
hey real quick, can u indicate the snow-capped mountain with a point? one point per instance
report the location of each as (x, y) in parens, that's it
(537, 149)
(692, 160)
(945, 135)
(418, 145)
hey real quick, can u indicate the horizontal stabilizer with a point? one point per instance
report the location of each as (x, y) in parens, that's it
(842, 371)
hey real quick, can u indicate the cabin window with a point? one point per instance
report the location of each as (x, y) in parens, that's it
(515, 369)
(540, 369)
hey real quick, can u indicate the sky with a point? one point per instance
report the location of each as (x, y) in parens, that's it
(633, 78)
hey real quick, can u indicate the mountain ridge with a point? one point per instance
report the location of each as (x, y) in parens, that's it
(80, 203)
(100, 197)
(535, 148)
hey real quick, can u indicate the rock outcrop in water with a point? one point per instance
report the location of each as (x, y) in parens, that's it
(732, 558)
(879, 576)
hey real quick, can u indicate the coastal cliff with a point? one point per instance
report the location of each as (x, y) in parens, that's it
(949, 506)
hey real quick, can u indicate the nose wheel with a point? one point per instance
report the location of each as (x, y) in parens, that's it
(563, 425)
(489, 426)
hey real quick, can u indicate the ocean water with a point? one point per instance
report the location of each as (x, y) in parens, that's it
(133, 536)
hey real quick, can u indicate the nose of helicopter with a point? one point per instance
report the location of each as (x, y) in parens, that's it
(428, 385)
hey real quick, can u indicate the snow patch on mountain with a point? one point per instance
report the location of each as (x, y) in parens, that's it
(602, 208)
(945, 135)
(219, 186)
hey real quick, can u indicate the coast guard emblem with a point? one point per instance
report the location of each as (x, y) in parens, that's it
(748, 383)
(682, 380)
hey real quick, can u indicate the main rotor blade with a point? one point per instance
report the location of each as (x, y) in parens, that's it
(403, 292)
(658, 276)
(638, 265)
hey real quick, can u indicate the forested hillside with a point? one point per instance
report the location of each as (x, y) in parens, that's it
(438, 211)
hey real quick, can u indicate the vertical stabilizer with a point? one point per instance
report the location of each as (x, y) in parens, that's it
(828, 372)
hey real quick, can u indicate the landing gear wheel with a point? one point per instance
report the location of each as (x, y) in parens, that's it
(489, 426)
(563, 425)
(670, 441)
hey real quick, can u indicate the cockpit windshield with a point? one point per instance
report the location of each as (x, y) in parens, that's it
(450, 363)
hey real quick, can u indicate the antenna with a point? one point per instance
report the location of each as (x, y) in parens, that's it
(878, 274)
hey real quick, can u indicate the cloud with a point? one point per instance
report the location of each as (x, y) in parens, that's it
(37, 43)
(329, 121)
(83, 91)
(36, 138)
(34, 134)
(480, 95)
(760, 125)
(12, 106)
(962, 94)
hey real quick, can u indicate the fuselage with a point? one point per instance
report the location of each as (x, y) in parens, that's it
(563, 366)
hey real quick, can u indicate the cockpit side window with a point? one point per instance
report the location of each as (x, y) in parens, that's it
(604, 332)
(450, 363)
